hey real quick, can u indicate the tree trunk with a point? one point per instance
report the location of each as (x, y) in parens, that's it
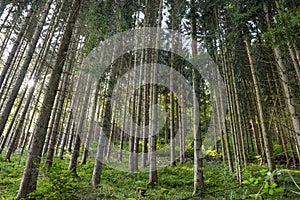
(70, 117)
(172, 113)
(96, 178)
(61, 100)
(153, 178)
(30, 174)
(198, 160)
(17, 44)
(290, 89)
(91, 127)
(266, 136)
(18, 84)
(80, 127)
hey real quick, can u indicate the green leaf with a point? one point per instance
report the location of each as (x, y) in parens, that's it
(256, 181)
(245, 182)
(274, 185)
(278, 190)
(263, 171)
(271, 192)
(266, 185)
(264, 191)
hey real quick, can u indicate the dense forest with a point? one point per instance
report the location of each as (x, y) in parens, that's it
(149, 99)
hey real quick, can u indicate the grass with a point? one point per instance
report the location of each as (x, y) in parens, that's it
(174, 182)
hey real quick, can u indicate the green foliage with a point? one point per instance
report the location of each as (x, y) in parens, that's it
(277, 149)
(263, 180)
(211, 152)
(102, 20)
(10, 177)
(57, 181)
(189, 153)
(285, 29)
(174, 182)
(160, 144)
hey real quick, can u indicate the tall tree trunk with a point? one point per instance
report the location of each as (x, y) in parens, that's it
(70, 117)
(146, 98)
(30, 174)
(91, 127)
(126, 107)
(222, 106)
(106, 126)
(61, 100)
(153, 178)
(80, 127)
(266, 136)
(198, 160)
(172, 113)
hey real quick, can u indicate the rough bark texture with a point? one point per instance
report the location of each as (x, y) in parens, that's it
(30, 174)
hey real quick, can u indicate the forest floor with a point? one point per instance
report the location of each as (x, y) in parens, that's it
(174, 182)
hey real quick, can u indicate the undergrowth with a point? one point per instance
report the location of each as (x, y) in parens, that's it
(174, 182)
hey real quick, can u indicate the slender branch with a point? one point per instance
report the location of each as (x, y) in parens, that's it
(294, 181)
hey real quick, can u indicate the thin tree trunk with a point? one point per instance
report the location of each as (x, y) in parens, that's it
(91, 127)
(96, 178)
(106, 126)
(172, 113)
(120, 154)
(266, 136)
(61, 100)
(69, 123)
(198, 160)
(146, 102)
(153, 178)
(79, 131)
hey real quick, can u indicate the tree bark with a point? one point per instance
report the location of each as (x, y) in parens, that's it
(80, 127)
(14, 93)
(153, 178)
(198, 160)
(30, 174)
(266, 136)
